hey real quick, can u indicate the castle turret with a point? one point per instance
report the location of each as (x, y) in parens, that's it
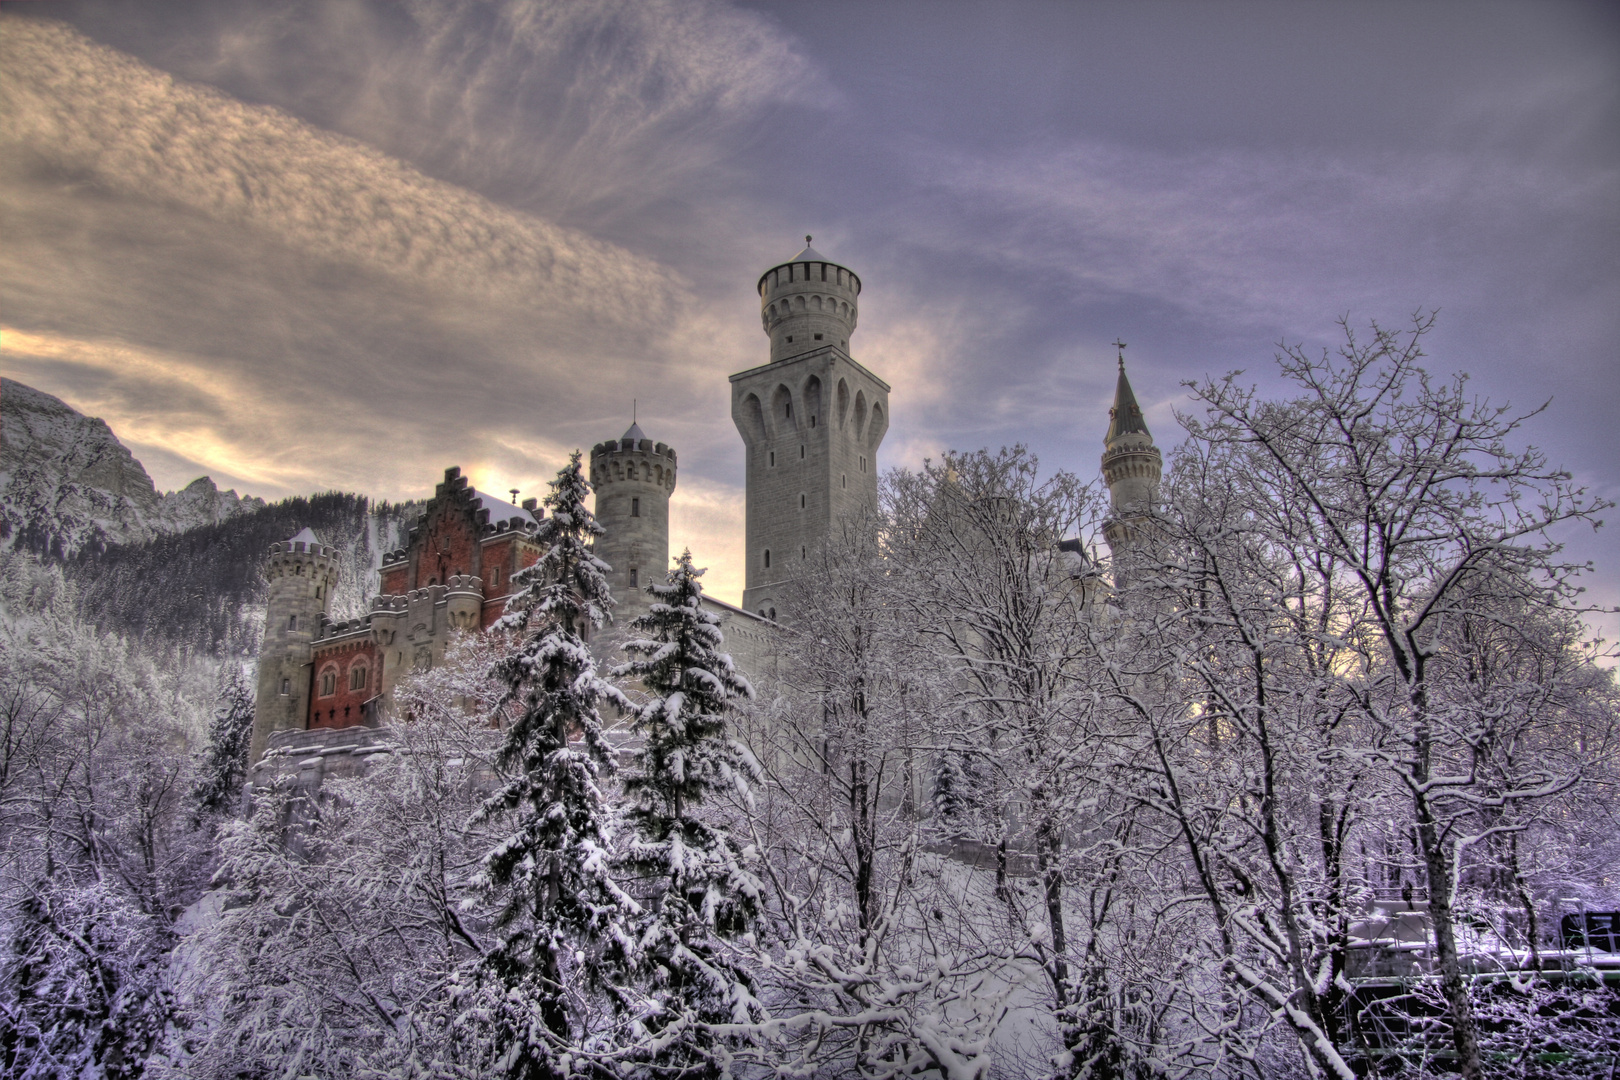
(301, 573)
(811, 420)
(1132, 468)
(633, 478)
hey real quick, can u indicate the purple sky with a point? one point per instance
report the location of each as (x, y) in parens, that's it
(343, 244)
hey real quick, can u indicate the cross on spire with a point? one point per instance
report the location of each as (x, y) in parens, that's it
(1120, 345)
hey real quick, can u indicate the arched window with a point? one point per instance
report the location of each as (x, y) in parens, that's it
(357, 677)
(328, 682)
(767, 558)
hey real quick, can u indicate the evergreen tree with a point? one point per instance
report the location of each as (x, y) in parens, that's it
(224, 762)
(697, 887)
(561, 917)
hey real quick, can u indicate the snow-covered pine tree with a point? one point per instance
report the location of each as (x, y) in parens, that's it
(696, 887)
(223, 764)
(561, 917)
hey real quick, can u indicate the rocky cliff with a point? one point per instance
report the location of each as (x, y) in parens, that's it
(67, 484)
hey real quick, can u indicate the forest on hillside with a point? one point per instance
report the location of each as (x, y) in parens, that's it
(203, 590)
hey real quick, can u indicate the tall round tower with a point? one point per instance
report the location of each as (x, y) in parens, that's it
(301, 572)
(811, 420)
(1132, 468)
(633, 478)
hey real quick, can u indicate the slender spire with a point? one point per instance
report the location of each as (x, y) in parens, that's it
(1125, 417)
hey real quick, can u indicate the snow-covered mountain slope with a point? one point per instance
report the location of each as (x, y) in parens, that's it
(67, 483)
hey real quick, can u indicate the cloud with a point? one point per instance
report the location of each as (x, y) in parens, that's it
(1255, 237)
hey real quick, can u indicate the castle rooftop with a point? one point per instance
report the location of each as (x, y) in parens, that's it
(306, 535)
(500, 509)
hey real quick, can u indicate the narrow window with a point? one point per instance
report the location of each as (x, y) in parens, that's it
(801, 500)
(843, 480)
(801, 451)
(823, 274)
(787, 408)
(292, 622)
(317, 592)
(635, 507)
(767, 558)
(773, 614)
(357, 678)
(812, 419)
(286, 686)
(328, 683)
(773, 459)
(635, 577)
(803, 554)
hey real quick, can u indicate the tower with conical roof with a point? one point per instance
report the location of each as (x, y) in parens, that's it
(633, 478)
(811, 421)
(1132, 467)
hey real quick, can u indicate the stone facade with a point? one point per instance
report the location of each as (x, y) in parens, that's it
(633, 478)
(301, 572)
(811, 421)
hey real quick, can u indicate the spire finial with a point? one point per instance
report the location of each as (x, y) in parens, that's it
(806, 239)
(632, 410)
(1120, 345)
(514, 492)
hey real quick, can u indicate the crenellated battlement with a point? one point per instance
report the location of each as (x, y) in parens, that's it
(633, 460)
(807, 303)
(464, 583)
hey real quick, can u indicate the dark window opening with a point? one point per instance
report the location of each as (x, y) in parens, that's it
(773, 459)
(844, 480)
(801, 500)
(790, 339)
(801, 453)
(773, 614)
(787, 409)
(635, 507)
(803, 554)
(812, 419)
(818, 337)
(286, 686)
(292, 622)
(635, 577)
(767, 558)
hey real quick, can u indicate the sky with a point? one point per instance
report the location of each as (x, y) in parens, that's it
(343, 244)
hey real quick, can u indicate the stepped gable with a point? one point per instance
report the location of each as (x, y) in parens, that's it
(464, 532)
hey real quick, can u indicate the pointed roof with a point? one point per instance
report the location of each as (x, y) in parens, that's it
(810, 254)
(633, 432)
(1125, 418)
(306, 535)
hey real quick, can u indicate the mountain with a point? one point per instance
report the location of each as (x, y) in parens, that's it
(67, 484)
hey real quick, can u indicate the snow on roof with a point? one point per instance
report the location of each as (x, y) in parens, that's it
(809, 254)
(634, 432)
(499, 509)
(306, 535)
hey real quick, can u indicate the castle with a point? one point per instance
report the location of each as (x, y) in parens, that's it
(811, 420)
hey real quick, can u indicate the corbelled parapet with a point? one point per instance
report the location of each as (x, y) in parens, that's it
(808, 303)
